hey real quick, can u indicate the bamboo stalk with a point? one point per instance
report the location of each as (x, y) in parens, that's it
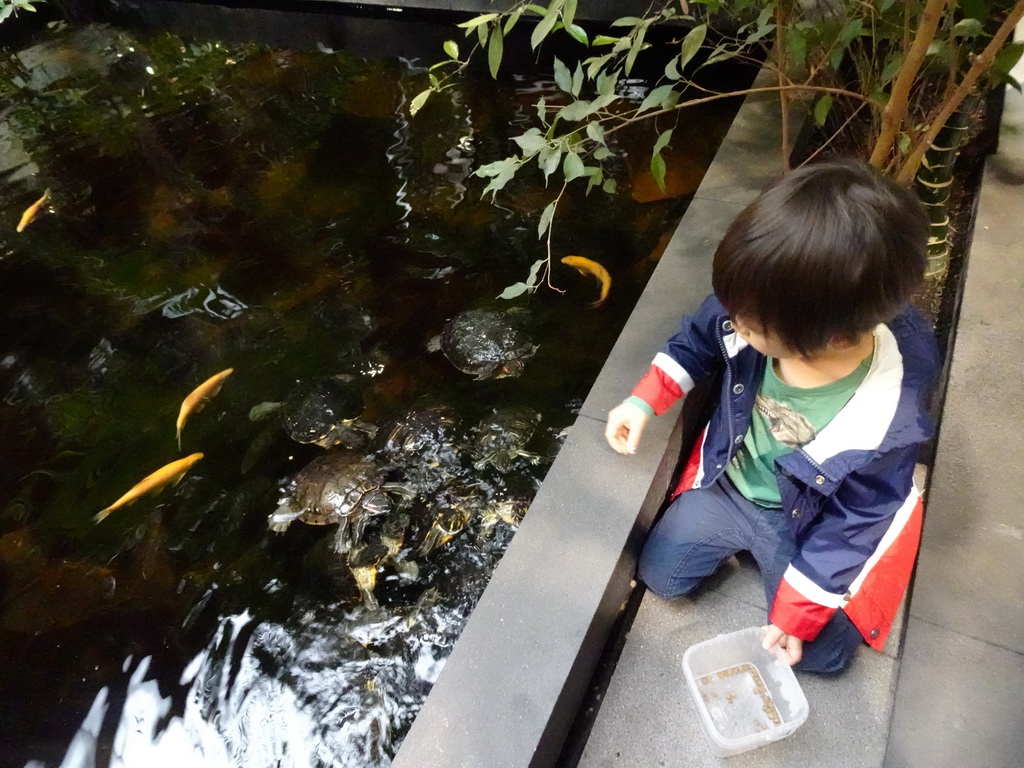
(979, 66)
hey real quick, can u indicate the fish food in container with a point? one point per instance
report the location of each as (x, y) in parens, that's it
(745, 696)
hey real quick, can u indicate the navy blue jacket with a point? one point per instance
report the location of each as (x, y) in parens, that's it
(849, 494)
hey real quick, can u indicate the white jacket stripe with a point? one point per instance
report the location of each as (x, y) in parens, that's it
(864, 421)
(674, 370)
(812, 591)
(899, 522)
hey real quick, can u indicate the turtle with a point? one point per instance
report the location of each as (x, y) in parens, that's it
(422, 444)
(326, 414)
(449, 514)
(384, 545)
(486, 344)
(337, 488)
(500, 438)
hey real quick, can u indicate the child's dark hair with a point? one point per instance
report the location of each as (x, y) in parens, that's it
(828, 251)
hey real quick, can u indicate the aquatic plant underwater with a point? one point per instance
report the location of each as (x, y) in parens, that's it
(231, 263)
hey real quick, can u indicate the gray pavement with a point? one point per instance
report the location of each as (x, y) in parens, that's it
(950, 696)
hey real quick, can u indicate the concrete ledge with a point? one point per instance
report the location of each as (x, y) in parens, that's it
(515, 679)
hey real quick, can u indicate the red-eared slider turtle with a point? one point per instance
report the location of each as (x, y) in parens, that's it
(485, 343)
(449, 514)
(382, 546)
(326, 414)
(336, 488)
(501, 436)
(422, 444)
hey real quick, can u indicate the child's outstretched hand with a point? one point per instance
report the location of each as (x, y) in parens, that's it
(793, 647)
(625, 425)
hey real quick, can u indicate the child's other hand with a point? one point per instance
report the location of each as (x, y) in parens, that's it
(793, 647)
(625, 425)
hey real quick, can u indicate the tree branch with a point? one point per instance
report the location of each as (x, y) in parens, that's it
(897, 104)
(938, 119)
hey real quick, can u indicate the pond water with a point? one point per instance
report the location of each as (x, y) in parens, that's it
(276, 212)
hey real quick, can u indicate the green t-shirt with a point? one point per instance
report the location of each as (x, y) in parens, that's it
(784, 418)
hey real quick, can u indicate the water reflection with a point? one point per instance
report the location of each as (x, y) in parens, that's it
(276, 212)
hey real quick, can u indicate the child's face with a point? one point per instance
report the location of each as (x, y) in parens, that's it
(762, 340)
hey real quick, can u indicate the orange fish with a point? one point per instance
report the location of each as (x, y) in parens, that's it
(32, 211)
(171, 473)
(198, 397)
(588, 267)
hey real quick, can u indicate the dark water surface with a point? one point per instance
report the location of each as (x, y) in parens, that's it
(213, 206)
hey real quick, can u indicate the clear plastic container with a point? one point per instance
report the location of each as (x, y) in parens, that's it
(746, 696)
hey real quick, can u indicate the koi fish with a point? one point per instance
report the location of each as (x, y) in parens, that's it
(168, 474)
(32, 211)
(197, 398)
(586, 266)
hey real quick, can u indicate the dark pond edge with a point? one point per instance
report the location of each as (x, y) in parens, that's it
(514, 683)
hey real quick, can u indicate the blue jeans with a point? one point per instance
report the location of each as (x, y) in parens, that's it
(704, 527)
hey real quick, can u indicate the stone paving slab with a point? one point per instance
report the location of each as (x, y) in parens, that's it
(959, 702)
(648, 718)
(958, 699)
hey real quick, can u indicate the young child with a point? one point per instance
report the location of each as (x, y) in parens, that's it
(808, 460)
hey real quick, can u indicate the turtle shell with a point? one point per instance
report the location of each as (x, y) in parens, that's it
(334, 487)
(321, 413)
(486, 343)
(501, 437)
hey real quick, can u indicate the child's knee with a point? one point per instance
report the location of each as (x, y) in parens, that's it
(659, 576)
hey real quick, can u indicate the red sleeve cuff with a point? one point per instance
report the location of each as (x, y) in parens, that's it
(797, 615)
(658, 390)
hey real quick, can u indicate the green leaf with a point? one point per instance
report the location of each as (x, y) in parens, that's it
(605, 40)
(531, 142)
(534, 276)
(595, 133)
(885, 5)
(796, 42)
(658, 171)
(477, 21)
(451, 48)
(549, 159)
(542, 111)
(540, 10)
(578, 34)
(662, 141)
(577, 80)
(691, 44)
(719, 54)
(513, 291)
(892, 66)
(578, 110)
(1007, 58)
(822, 108)
(569, 12)
(654, 98)
(968, 28)
(601, 153)
(606, 83)
(495, 49)
(512, 19)
(546, 24)
(634, 50)
(418, 101)
(850, 31)
(572, 166)
(482, 33)
(672, 69)
(627, 21)
(903, 142)
(562, 77)
(609, 186)
(545, 220)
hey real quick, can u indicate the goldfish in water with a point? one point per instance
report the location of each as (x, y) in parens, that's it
(32, 211)
(168, 474)
(588, 267)
(197, 398)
